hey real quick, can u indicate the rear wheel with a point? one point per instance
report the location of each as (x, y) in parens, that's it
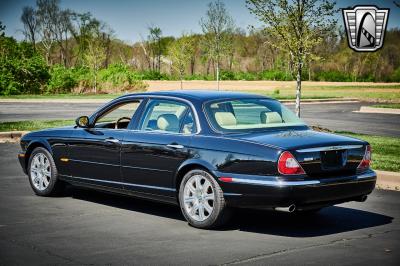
(202, 201)
(43, 173)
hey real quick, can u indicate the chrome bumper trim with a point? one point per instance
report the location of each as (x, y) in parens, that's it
(277, 183)
(330, 148)
(274, 180)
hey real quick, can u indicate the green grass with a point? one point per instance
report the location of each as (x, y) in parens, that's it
(33, 125)
(389, 105)
(385, 151)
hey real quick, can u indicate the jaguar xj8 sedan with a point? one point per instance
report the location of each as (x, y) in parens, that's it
(206, 151)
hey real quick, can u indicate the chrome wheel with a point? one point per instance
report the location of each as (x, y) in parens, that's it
(40, 171)
(198, 198)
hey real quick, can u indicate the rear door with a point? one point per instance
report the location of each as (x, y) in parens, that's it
(151, 155)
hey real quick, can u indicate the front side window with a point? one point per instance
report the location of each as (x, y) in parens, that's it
(119, 116)
(250, 115)
(168, 116)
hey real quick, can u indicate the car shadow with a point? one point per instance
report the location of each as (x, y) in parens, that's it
(328, 221)
(126, 202)
(331, 220)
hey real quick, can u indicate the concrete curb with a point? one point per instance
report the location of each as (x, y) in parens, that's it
(375, 110)
(386, 180)
(12, 134)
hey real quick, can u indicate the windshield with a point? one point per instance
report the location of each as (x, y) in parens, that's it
(250, 115)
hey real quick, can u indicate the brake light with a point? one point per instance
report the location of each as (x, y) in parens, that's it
(366, 161)
(288, 165)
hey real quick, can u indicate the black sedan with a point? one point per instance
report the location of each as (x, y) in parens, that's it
(207, 151)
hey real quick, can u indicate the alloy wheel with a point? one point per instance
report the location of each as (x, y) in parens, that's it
(40, 171)
(198, 198)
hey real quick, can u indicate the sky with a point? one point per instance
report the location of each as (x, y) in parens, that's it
(130, 18)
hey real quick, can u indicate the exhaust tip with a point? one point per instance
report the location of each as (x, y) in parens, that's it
(290, 208)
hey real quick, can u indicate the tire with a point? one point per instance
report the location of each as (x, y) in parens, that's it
(43, 175)
(195, 202)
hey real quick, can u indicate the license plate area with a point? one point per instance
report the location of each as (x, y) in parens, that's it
(333, 159)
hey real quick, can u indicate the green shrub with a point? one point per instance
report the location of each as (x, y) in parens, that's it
(153, 75)
(245, 76)
(227, 75)
(395, 76)
(62, 80)
(22, 69)
(332, 76)
(275, 75)
(119, 77)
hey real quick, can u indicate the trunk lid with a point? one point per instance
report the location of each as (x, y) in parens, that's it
(321, 155)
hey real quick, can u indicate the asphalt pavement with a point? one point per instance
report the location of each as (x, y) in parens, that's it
(86, 227)
(334, 116)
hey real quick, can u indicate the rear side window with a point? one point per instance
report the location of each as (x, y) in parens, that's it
(168, 116)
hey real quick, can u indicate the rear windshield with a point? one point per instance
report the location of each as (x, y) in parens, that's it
(250, 115)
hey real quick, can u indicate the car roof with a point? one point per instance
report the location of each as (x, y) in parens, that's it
(201, 95)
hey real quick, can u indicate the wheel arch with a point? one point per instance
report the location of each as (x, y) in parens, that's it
(188, 166)
(33, 145)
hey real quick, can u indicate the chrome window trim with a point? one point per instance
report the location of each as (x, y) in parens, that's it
(143, 97)
(191, 106)
(256, 97)
(330, 148)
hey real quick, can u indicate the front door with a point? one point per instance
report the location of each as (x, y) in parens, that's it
(151, 155)
(95, 152)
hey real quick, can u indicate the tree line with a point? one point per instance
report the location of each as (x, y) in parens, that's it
(300, 40)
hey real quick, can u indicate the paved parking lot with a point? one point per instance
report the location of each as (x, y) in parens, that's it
(85, 227)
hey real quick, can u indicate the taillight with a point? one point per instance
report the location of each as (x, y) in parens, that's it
(288, 165)
(366, 161)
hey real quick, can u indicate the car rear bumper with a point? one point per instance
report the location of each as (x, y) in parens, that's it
(269, 192)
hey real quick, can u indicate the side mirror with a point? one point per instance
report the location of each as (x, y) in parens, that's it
(82, 121)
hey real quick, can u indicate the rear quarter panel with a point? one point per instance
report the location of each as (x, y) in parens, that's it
(235, 156)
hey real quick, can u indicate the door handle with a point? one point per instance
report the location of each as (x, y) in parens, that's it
(112, 140)
(175, 146)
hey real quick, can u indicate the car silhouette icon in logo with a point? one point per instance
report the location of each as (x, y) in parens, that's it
(365, 27)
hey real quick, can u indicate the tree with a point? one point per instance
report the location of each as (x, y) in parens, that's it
(180, 52)
(155, 44)
(297, 27)
(217, 27)
(83, 26)
(47, 16)
(94, 57)
(29, 19)
(2, 29)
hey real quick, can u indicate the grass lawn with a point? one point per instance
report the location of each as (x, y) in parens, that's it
(389, 105)
(385, 151)
(34, 125)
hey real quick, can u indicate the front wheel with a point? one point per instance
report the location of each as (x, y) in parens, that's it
(43, 173)
(202, 201)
